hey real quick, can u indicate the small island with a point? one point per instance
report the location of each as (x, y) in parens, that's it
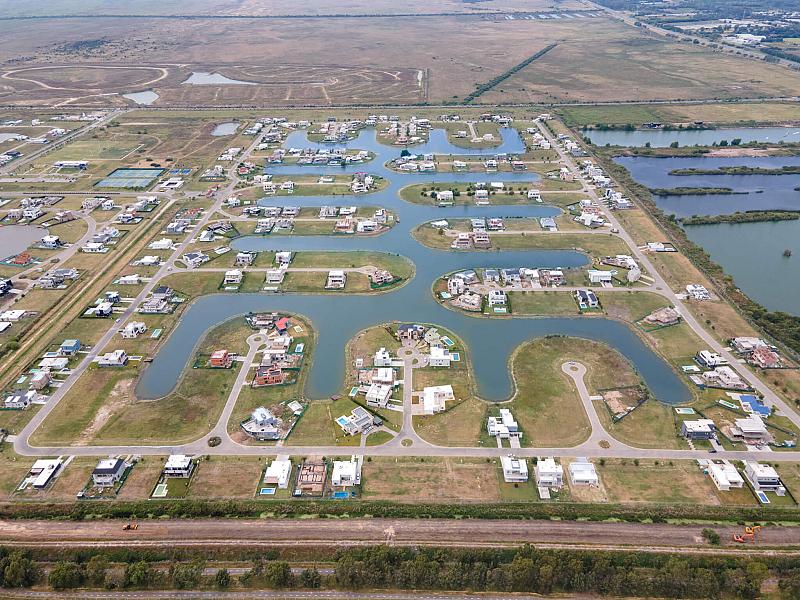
(749, 216)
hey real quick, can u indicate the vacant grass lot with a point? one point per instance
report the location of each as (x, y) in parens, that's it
(226, 477)
(546, 404)
(668, 482)
(101, 407)
(406, 479)
(765, 112)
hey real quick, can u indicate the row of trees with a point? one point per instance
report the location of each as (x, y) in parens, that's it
(525, 569)
(546, 571)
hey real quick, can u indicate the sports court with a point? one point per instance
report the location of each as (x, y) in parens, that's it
(133, 179)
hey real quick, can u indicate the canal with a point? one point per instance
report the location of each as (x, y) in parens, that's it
(337, 318)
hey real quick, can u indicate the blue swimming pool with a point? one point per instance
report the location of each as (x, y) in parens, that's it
(762, 497)
(267, 491)
(342, 421)
(341, 495)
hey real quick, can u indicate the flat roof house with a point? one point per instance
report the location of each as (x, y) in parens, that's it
(44, 471)
(279, 472)
(710, 359)
(108, 472)
(549, 473)
(19, 400)
(178, 465)
(751, 429)
(358, 421)
(262, 425)
(515, 470)
(382, 358)
(763, 477)
(504, 426)
(336, 280)
(346, 473)
(439, 357)
(379, 395)
(701, 429)
(725, 476)
(434, 398)
(69, 347)
(582, 472)
(117, 358)
(221, 359)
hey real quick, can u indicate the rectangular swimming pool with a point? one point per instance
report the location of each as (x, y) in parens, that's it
(762, 497)
(267, 491)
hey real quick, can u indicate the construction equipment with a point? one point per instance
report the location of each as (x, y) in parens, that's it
(130, 527)
(752, 530)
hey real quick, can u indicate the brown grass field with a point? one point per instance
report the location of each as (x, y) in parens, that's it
(398, 60)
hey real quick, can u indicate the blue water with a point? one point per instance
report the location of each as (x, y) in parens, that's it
(751, 252)
(337, 318)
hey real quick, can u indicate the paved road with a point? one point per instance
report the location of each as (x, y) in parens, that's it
(417, 446)
(660, 285)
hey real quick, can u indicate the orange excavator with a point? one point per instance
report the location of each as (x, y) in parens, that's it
(130, 527)
(749, 535)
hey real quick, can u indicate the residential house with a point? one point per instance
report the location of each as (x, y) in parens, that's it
(19, 400)
(108, 472)
(44, 471)
(746, 345)
(750, 430)
(725, 476)
(336, 280)
(117, 358)
(262, 425)
(178, 465)
(133, 330)
(709, 359)
(245, 259)
(382, 358)
(583, 472)
(347, 473)
(439, 357)
(379, 395)
(268, 375)
(221, 359)
(697, 292)
(586, 299)
(497, 298)
(549, 474)
(283, 259)
(409, 331)
(700, 429)
(233, 277)
(434, 398)
(763, 477)
(69, 347)
(358, 421)
(278, 473)
(597, 277)
(515, 470)
(725, 378)
(765, 358)
(40, 380)
(381, 277)
(504, 426)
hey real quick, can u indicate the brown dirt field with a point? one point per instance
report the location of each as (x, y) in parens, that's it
(142, 479)
(72, 479)
(430, 480)
(232, 477)
(423, 531)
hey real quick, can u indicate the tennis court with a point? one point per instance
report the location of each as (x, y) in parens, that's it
(134, 179)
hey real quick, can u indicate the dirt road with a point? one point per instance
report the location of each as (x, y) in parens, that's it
(319, 532)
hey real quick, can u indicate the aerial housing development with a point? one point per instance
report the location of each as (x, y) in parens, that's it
(510, 312)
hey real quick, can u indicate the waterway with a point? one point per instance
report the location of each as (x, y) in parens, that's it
(146, 97)
(661, 138)
(337, 318)
(751, 252)
(16, 238)
(225, 129)
(201, 78)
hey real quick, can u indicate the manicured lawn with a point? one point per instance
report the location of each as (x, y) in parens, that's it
(649, 426)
